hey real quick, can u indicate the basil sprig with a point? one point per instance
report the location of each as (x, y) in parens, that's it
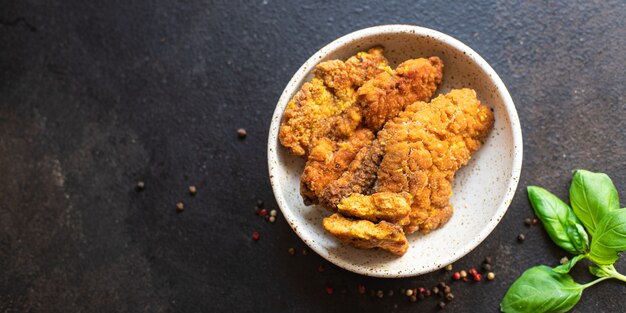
(594, 207)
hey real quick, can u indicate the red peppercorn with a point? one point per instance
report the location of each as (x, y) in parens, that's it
(472, 271)
(421, 289)
(329, 290)
(456, 276)
(263, 212)
(362, 289)
(478, 277)
(255, 235)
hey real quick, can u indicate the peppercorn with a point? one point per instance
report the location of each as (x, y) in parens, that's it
(463, 274)
(456, 276)
(241, 133)
(521, 237)
(487, 267)
(449, 267)
(409, 292)
(447, 289)
(255, 235)
(488, 260)
(263, 212)
(273, 213)
(329, 290)
(272, 219)
(435, 290)
(413, 298)
(472, 271)
(441, 284)
(321, 268)
(180, 206)
(141, 185)
(449, 296)
(528, 222)
(564, 260)
(192, 190)
(427, 293)
(390, 292)
(491, 276)
(361, 289)
(535, 221)
(421, 289)
(305, 252)
(259, 203)
(478, 277)
(292, 251)
(442, 305)
(380, 294)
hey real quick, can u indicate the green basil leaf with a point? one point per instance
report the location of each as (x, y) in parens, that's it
(599, 271)
(610, 238)
(592, 196)
(559, 220)
(565, 268)
(540, 289)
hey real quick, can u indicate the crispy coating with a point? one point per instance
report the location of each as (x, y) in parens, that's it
(325, 106)
(328, 160)
(424, 146)
(364, 234)
(359, 178)
(381, 206)
(384, 96)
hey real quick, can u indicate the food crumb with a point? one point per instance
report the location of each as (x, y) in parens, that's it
(564, 260)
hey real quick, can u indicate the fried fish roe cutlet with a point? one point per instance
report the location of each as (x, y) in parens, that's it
(328, 160)
(425, 145)
(382, 206)
(325, 106)
(364, 234)
(389, 92)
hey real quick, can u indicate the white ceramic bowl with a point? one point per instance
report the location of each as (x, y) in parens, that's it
(483, 189)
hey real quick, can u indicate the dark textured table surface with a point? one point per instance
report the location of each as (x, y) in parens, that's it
(95, 96)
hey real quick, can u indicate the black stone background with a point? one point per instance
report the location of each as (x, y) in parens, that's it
(95, 95)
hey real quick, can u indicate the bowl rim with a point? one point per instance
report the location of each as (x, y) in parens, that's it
(296, 81)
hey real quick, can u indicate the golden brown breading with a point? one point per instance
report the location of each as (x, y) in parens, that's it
(381, 206)
(359, 178)
(384, 96)
(325, 106)
(364, 234)
(424, 146)
(328, 160)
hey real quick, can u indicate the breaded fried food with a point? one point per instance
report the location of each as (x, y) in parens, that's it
(389, 92)
(325, 106)
(359, 178)
(381, 206)
(364, 234)
(328, 160)
(424, 146)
